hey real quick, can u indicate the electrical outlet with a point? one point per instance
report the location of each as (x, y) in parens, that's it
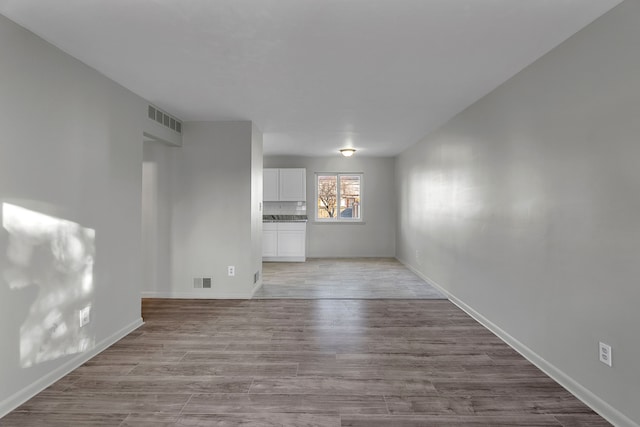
(605, 353)
(231, 270)
(85, 316)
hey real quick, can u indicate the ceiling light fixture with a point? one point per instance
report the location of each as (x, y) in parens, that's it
(347, 152)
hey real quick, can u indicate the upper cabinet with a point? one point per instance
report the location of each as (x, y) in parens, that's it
(270, 180)
(285, 185)
(293, 185)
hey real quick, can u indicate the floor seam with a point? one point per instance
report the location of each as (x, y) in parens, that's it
(185, 405)
(386, 404)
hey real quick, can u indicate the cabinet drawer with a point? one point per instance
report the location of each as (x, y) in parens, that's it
(269, 226)
(292, 226)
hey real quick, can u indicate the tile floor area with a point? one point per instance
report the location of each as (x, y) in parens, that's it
(343, 278)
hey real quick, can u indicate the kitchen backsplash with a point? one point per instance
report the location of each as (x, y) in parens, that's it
(285, 208)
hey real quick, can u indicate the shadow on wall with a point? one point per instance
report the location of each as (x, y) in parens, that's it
(50, 260)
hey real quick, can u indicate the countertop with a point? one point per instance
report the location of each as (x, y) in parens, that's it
(284, 218)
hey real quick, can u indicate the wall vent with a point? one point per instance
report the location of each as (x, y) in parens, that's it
(197, 282)
(166, 120)
(206, 282)
(256, 277)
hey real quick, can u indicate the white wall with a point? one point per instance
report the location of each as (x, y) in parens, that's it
(71, 149)
(215, 220)
(256, 204)
(156, 216)
(375, 237)
(525, 208)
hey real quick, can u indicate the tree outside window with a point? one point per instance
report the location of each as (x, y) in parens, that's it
(338, 197)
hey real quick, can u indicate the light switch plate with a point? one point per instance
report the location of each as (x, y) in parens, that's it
(85, 316)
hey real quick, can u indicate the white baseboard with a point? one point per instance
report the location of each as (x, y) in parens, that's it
(189, 295)
(284, 259)
(605, 410)
(17, 399)
(256, 288)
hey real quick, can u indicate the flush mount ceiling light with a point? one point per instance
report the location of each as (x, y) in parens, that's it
(347, 152)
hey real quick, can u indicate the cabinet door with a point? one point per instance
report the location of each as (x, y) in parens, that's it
(293, 185)
(270, 185)
(269, 243)
(291, 243)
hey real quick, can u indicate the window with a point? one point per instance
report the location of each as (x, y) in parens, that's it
(338, 197)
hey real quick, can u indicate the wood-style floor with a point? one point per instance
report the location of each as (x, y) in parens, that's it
(343, 278)
(321, 362)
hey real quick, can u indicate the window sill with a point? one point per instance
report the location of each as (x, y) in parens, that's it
(338, 222)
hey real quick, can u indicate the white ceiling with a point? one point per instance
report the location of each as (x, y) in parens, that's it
(314, 75)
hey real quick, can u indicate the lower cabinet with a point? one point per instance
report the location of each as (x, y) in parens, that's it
(284, 241)
(269, 241)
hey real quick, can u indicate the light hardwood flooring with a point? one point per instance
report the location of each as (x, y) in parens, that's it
(289, 362)
(357, 278)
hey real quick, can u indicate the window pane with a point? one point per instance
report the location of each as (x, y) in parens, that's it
(327, 196)
(350, 196)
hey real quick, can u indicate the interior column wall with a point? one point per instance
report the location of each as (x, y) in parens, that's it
(212, 211)
(156, 217)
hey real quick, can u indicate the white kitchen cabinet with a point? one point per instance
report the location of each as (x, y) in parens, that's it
(288, 242)
(291, 239)
(285, 185)
(270, 185)
(293, 185)
(269, 239)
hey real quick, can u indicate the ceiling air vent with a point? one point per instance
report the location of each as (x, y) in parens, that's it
(166, 120)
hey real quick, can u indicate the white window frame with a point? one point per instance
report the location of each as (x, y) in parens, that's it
(338, 218)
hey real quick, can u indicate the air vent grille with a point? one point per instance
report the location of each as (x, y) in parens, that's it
(166, 120)
(202, 282)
